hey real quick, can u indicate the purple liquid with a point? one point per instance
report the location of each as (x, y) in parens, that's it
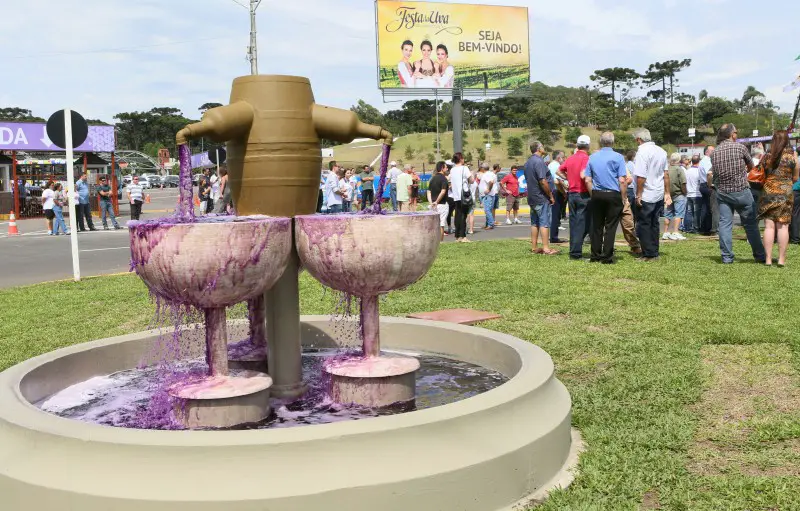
(185, 209)
(376, 208)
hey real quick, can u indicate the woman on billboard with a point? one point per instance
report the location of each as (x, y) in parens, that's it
(445, 74)
(425, 68)
(405, 69)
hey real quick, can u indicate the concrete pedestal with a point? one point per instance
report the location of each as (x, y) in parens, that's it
(283, 331)
(223, 401)
(375, 382)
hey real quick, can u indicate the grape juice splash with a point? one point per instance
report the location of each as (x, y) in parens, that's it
(376, 208)
(185, 209)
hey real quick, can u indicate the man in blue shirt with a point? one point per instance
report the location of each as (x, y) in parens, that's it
(82, 208)
(606, 179)
(540, 198)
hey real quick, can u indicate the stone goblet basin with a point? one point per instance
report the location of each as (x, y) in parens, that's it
(210, 264)
(366, 256)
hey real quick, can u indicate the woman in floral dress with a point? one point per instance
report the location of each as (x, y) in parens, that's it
(775, 207)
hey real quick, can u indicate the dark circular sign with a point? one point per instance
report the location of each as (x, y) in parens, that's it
(56, 131)
(212, 155)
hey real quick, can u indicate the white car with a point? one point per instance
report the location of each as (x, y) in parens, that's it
(144, 182)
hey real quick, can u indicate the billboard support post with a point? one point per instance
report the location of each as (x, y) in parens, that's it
(458, 128)
(438, 147)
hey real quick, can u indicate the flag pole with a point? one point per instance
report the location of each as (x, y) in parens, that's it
(794, 116)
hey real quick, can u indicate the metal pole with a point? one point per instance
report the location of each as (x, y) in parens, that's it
(438, 147)
(73, 216)
(253, 38)
(14, 185)
(458, 128)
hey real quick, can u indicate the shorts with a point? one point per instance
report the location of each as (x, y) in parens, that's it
(496, 201)
(512, 203)
(49, 214)
(677, 209)
(443, 210)
(540, 215)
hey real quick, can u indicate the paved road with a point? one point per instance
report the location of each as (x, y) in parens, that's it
(36, 257)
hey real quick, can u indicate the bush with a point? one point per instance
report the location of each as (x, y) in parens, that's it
(481, 154)
(409, 152)
(431, 158)
(514, 146)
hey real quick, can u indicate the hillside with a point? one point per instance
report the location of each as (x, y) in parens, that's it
(364, 152)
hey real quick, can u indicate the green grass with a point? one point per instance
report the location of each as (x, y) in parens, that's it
(632, 342)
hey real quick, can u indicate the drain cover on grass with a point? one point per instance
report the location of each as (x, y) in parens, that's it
(460, 316)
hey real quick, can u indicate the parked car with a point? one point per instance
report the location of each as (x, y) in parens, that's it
(170, 181)
(144, 181)
(196, 179)
(153, 179)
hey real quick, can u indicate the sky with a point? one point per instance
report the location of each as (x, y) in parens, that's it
(101, 57)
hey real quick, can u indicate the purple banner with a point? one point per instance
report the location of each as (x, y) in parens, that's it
(32, 136)
(201, 160)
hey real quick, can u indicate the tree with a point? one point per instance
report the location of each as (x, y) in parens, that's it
(15, 114)
(409, 153)
(468, 157)
(703, 95)
(665, 72)
(751, 98)
(671, 124)
(494, 127)
(481, 153)
(611, 77)
(713, 108)
(208, 106)
(514, 146)
(624, 141)
(367, 113)
(572, 136)
(431, 158)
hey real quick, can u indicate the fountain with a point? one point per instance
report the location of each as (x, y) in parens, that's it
(497, 449)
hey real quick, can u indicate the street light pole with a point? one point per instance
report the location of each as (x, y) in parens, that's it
(252, 55)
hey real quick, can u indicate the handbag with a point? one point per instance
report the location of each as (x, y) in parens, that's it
(466, 195)
(757, 174)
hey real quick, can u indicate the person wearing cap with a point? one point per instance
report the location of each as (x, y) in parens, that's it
(106, 207)
(572, 170)
(392, 176)
(540, 198)
(488, 191)
(652, 192)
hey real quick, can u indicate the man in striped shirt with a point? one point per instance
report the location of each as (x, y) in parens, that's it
(135, 197)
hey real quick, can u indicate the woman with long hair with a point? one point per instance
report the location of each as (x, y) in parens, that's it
(775, 206)
(405, 69)
(425, 68)
(445, 74)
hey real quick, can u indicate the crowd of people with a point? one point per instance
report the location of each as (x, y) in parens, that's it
(604, 190)
(694, 195)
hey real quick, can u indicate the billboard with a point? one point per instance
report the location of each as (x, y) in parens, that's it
(32, 136)
(431, 45)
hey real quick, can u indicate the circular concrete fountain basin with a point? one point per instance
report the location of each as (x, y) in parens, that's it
(494, 451)
(212, 262)
(368, 255)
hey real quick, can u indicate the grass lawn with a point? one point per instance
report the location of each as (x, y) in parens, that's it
(684, 373)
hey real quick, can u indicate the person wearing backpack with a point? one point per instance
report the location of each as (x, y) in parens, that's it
(460, 179)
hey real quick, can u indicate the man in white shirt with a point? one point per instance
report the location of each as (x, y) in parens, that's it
(392, 176)
(460, 179)
(488, 190)
(652, 192)
(333, 190)
(710, 214)
(694, 199)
